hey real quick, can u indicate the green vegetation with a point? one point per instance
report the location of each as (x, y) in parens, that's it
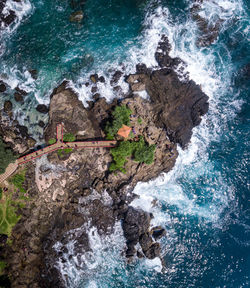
(1, 192)
(120, 116)
(139, 120)
(2, 267)
(52, 141)
(18, 181)
(68, 137)
(139, 151)
(62, 152)
(6, 156)
(8, 217)
(9, 206)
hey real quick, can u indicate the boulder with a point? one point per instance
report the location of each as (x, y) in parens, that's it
(115, 77)
(2, 86)
(101, 79)
(34, 74)
(7, 106)
(76, 16)
(94, 78)
(41, 124)
(42, 108)
(18, 97)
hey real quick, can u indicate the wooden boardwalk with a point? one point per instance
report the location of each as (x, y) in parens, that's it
(58, 145)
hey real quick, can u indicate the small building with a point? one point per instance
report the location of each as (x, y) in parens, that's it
(124, 131)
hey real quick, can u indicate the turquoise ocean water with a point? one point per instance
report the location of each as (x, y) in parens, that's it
(204, 202)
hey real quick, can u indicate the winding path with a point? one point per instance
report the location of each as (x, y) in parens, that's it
(58, 145)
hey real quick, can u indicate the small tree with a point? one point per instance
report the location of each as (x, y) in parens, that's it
(120, 116)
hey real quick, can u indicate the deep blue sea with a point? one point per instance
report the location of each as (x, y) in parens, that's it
(204, 202)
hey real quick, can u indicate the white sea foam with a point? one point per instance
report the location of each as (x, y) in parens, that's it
(21, 10)
(88, 269)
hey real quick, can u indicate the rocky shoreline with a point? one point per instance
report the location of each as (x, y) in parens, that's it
(68, 191)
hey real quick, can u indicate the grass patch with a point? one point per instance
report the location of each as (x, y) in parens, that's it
(140, 152)
(52, 141)
(8, 206)
(8, 217)
(68, 137)
(18, 181)
(120, 116)
(139, 121)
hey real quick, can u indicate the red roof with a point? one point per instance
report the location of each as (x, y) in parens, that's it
(124, 131)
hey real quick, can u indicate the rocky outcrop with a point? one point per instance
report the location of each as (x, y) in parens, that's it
(178, 104)
(76, 191)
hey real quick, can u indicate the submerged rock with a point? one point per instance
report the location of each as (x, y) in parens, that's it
(76, 16)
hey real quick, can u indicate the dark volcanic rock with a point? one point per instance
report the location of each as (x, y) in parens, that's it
(178, 104)
(42, 108)
(2, 86)
(41, 123)
(115, 78)
(162, 55)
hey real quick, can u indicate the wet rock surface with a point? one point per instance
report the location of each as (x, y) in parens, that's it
(77, 192)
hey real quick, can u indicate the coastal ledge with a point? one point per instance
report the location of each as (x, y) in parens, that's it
(71, 191)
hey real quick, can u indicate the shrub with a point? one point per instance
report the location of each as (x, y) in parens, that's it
(68, 137)
(2, 267)
(139, 120)
(61, 152)
(120, 116)
(140, 151)
(6, 156)
(52, 141)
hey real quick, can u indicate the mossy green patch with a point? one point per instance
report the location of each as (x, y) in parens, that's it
(2, 267)
(68, 137)
(52, 141)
